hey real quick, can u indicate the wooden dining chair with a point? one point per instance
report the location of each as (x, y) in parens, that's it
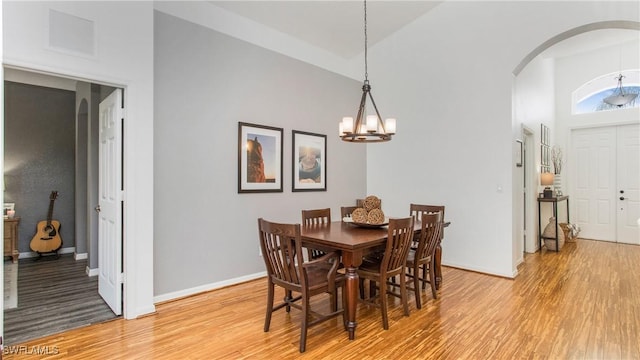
(422, 258)
(281, 246)
(346, 211)
(417, 210)
(316, 217)
(392, 264)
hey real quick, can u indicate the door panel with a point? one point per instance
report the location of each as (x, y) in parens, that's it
(110, 198)
(628, 190)
(594, 155)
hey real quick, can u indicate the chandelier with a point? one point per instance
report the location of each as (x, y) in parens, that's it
(366, 128)
(619, 98)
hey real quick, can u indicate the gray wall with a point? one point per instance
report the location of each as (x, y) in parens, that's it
(205, 83)
(39, 157)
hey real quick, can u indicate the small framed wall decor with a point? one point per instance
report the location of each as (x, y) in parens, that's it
(519, 155)
(259, 158)
(309, 163)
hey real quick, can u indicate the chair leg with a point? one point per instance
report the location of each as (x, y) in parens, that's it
(304, 323)
(288, 298)
(383, 304)
(270, 295)
(361, 281)
(403, 293)
(432, 280)
(416, 287)
(372, 289)
(424, 276)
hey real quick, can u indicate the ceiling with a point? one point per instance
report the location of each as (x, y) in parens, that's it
(338, 26)
(335, 26)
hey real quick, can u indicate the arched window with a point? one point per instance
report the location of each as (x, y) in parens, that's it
(590, 97)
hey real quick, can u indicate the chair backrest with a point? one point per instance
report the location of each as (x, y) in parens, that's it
(316, 216)
(281, 251)
(417, 210)
(346, 211)
(399, 241)
(430, 232)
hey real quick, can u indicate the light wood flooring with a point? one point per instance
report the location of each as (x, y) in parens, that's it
(54, 295)
(581, 303)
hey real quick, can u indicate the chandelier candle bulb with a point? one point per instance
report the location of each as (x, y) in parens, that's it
(372, 123)
(390, 126)
(347, 125)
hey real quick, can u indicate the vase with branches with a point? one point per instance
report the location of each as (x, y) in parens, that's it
(556, 159)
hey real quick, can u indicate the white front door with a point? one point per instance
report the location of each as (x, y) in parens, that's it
(606, 162)
(110, 202)
(628, 191)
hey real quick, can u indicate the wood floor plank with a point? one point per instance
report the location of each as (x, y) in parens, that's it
(580, 303)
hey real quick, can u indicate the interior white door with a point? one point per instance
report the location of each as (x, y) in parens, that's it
(594, 174)
(110, 201)
(628, 191)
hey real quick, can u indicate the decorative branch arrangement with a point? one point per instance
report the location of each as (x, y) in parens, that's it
(556, 158)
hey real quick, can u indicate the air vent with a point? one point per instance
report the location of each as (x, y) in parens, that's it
(72, 34)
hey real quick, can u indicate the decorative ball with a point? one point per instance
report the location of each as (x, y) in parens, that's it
(375, 217)
(371, 202)
(359, 215)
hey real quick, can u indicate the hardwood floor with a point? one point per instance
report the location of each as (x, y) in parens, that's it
(54, 295)
(581, 303)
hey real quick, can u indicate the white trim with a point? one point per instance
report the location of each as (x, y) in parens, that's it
(207, 287)
(32, 254)
(481, 270)
(91, 272)
(82, 256)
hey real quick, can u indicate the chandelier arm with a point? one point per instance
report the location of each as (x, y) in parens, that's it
(361, 110)
(377, 113)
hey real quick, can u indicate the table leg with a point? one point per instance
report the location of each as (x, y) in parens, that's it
(351, 289)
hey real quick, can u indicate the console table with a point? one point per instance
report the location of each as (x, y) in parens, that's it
(554, 201)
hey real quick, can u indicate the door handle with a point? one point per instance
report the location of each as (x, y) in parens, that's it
(97, 208)
(621, 197)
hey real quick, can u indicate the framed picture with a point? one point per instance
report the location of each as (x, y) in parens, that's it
(519, 154)
(309, 163)
(7, 207)
(259, 158)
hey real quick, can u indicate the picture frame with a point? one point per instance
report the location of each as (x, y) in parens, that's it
(519, 155)
(7, 207)
(309, 161)
(259, 158)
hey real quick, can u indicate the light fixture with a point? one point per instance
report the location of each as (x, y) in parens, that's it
(619, 98)
(366, 129)
(546, 179)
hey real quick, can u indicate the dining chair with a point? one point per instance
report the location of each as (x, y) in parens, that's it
(423, 256)
(392, 264)
(316, 217)
(345, 211)
(417, 210)
(281, 246)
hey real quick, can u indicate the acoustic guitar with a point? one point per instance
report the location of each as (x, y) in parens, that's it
(47, 238)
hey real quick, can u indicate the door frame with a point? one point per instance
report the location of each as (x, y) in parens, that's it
(126, 260)
(529, 206)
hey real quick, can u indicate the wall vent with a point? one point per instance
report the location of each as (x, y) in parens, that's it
(71, 34)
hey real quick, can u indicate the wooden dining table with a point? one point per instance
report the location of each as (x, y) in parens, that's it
(353, 242)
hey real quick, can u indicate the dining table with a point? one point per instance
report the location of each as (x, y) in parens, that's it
(353, 242)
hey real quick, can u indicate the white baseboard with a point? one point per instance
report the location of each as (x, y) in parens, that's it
(32, 254)
(83, 256)
(480, 270)
(207, 287)
(91, 272)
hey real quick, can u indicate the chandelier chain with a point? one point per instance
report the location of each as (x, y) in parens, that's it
(366, 73)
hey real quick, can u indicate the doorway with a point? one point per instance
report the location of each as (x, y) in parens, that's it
(606, 182)
(83, 244)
